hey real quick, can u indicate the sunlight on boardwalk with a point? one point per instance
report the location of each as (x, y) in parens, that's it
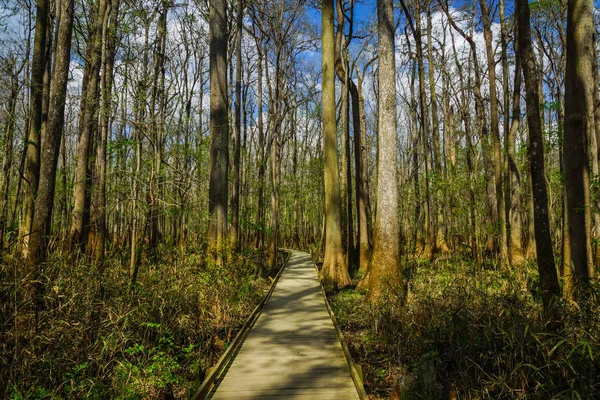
(292, 352)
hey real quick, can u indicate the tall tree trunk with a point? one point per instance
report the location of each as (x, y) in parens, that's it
(219, 132)
(9, 130)
(157, 122)
(384, 270)
(343, 71)
(334, 270)
(495, 133)
(32, 148)
(545, 253)
(362, 195)
(235, 195)
(98, 215)
(415, 159)
(439, 242)
(41, 228)
(260, 214)
(578, 128)
(596, 135)
(513, 179)
(88, 124)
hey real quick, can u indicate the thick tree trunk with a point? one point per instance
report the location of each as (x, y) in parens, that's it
(219, 132)
(334, 270)
(384, 269)
(578, 128)
(51, 148)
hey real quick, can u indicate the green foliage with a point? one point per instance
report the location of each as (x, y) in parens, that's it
(475, 331)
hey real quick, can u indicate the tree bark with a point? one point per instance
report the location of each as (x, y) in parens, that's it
(9, 130)
(545, 253)
(98, 215)
(32, 148)
(237, 126)
(88, 123)
(384, 269)
(495, 133)
(219, 133)
(513, 180)
(362, 189)
(41, 228)
(334, 271)
(578, 128)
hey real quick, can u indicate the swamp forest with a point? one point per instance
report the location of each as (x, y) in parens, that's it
(438, 159)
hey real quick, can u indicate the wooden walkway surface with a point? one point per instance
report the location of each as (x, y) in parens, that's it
(292, 351)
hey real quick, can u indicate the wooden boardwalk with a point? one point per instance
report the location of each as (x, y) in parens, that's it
(292, 351)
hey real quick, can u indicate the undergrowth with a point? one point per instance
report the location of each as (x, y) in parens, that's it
(471, 334)
(100, 337)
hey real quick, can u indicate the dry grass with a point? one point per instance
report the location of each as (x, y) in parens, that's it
(471, 334)
(98, 337)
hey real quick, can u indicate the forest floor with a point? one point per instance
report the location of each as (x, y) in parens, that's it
(100, 337)
(461, 332)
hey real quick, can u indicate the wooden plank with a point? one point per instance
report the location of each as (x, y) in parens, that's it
(292, 350)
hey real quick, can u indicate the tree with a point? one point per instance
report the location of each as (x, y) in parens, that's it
(32, 149)
(219, 127)
(88, 124)
(579, 126)
(497, 149)
(50, 150)
(384, 267)
(334, 268)
(235, 196)
(98, 211)
(535, 151)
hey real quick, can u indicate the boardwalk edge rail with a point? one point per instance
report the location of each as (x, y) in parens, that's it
(354, 369)
(225, 358)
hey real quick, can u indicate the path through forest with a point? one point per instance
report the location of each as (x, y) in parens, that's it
(292, 351)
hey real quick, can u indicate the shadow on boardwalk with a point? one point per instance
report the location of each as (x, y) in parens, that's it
(292, 352)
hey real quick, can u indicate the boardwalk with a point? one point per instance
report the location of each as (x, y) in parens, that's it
(292, 352)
